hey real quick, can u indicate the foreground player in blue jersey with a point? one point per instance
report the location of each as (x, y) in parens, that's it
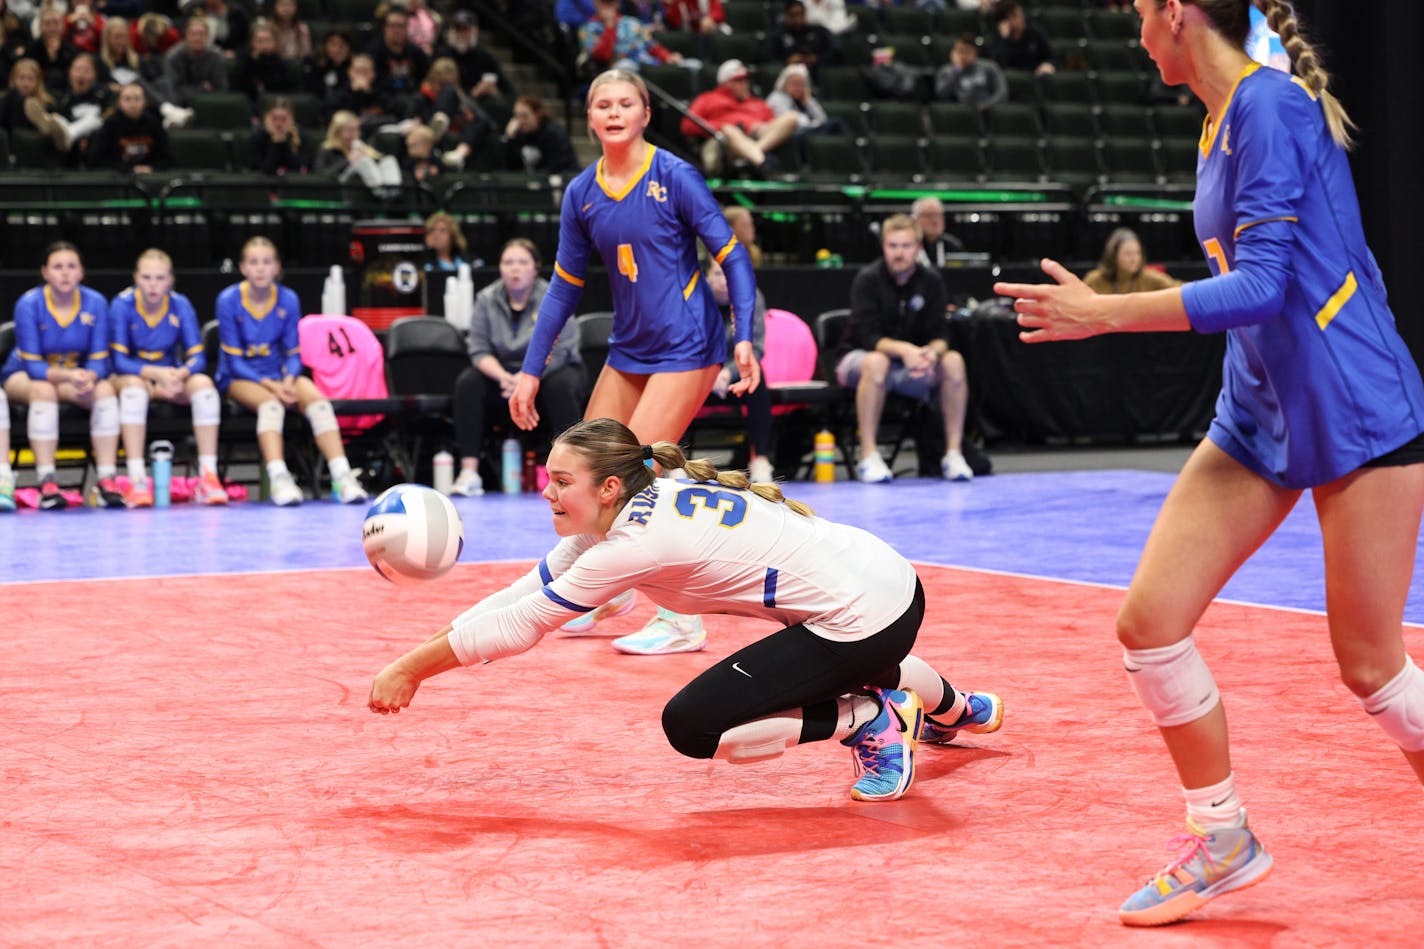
(62, 355)
(157, 351)
(851, 607)
(260, 368)
(1318, 392)
(643, 209)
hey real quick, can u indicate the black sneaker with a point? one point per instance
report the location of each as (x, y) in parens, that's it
(50, 498)
(107, 493)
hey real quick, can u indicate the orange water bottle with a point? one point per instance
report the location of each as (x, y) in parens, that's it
(825, 454)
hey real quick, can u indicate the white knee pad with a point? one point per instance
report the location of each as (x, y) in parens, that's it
(207, 407)
(322, 417)
(270, 416)
(1398, 707)
(760, 739)
(104, 417)
(42, 422)
(4, 412)
(133, 406)
(1173, 682)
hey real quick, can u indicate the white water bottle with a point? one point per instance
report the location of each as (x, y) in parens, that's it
(443, 468)
(454, 312)
(333, 293)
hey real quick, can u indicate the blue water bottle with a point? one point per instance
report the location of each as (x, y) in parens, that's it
(511, 465)
(160, 453)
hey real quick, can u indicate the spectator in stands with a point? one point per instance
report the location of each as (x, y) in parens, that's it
(744, 230)
(796, 40)
(421, 161)
(13, 31)
(831, 14)
(228, 25)
(935, 242)
(132, 138)
(79, 113)
(533, 141)
(51, 50)
(695, 16)
(294, 39)
(899, 339)
(153, 34)
(1122, 268)
(344, 155)
(480, 73)
(1018, 44)
(792, 95)
(275, 146)
(27, 103)
(500, 329)
(611, 40)
(10, 51)
(84, 28)
(423, 26)
(326, 72)
(260, 70)
(442, 105)
(968, 78)
(757, 402)
(400, 64)
(117, 58)
(194, 67)
(360, 96)
(446, 243)
(746, 124)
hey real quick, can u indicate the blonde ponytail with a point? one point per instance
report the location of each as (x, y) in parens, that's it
(702, 469)
(1305, 61)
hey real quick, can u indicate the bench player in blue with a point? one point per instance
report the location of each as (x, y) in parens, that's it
(1319, 392)
(260, 368)
(643, 209)
(62, 355)
(850, 606)
(157, 353)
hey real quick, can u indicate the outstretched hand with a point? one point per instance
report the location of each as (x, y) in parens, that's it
(1065, 309)
(392, 690)
(747, 367)
(521, 403)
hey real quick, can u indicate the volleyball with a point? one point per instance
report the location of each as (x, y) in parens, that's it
(412, 534)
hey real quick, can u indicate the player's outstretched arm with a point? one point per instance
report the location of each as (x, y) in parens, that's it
(396, 685)
(1068, 309)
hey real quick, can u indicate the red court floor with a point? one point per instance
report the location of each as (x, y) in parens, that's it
(189, 761)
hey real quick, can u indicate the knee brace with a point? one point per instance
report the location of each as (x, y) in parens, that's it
(1172, 682)
(206, 407)
(270, 416)
(133, 406)
(104, 417)
(1398, 707)
(42, 422)
(322, 417)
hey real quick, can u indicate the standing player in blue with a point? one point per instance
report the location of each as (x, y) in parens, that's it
(62, 355)
(1319, 392)
(260, 368)
(851, 608)
(157, 348)
(643, 210)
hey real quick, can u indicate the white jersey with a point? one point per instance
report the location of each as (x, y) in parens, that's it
(702, 548)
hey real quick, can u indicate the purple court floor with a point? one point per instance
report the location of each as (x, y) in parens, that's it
(1085, 526)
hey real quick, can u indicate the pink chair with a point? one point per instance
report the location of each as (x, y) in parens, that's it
(347, 361)
(791, 354)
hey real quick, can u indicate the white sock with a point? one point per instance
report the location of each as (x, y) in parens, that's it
(853, 711)
(208, 463)
(5, 470)
(105, 471)
(339, 467)
(134, 466)
(1216, 807)
(44, 474)
(276, 469)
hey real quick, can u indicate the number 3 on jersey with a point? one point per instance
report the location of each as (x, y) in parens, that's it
(732, 506)
(627, 266)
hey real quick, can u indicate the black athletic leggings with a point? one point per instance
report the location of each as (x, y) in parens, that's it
(793, 668)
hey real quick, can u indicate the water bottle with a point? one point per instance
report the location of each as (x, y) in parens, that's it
(510, 465)
(160, 454)
(825, 454)
(443, 467)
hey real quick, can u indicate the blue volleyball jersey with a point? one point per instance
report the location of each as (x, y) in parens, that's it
(1316, 380)
(168, 337)
(258, 342)
(77, 338)
(665, 319)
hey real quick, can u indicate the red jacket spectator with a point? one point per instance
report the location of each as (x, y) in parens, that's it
(693, 15)
(722, 106)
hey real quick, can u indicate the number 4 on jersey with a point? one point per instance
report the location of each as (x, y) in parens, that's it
(627, 266)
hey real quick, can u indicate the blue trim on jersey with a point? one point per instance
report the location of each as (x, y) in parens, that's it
(768, 588)
(545, 573)
(566, 604)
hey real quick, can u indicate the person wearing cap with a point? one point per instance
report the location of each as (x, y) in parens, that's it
(480, 73)
(746, 124)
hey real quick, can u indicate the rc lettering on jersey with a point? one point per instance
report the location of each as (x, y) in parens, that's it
(1226, 140)
(87, 318)
(641, 507)
(657, 192)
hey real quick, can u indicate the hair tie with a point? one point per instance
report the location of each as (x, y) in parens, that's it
(647, 452)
